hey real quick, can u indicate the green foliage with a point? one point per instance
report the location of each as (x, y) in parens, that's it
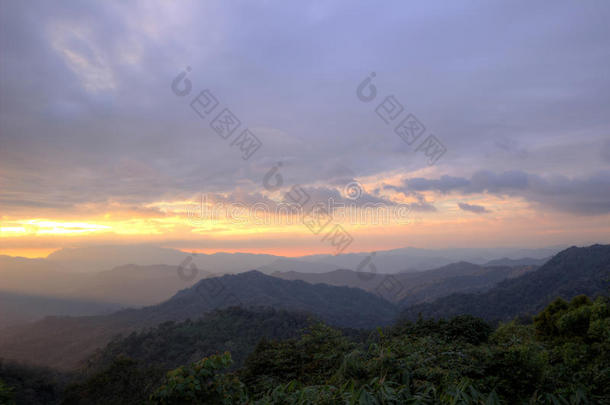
(579, 319)
(577, 335)
(465, 328)
(374, 393)
(470, 329)
(6, 394)
(562, 357)
(310, 359)
(30, 385)
(546, 322)
(122, 382)
(201, 383)
(432, 362)
(172, 344)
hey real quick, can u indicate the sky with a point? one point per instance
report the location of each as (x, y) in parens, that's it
(114, 128)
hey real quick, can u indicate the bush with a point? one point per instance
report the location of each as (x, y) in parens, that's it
(201, 383)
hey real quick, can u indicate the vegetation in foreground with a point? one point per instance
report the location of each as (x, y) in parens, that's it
(561, 357)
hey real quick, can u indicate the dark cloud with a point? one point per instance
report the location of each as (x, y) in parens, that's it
(444, 184)
(481, 181)
(317, 195)
(341, 196)
(477, 209)
(586, 195)
(422, 205)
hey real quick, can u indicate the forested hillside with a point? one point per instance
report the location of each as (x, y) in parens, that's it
(562, 357)
(76, 338)
(339, 306)
(571, 272)
(174, 343)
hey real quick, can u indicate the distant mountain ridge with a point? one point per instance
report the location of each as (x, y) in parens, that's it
(19, 308)
(340, 306)
(571, 272)
(416, 287)
(100, 258)
(137, 275)
(74, 338)
(128, 285)
(524, 261)
(410, 259)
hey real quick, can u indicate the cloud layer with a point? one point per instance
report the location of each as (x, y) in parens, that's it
(518, 94)
(587, 195)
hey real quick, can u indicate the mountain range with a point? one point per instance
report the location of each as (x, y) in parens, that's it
(143, 275)
(16, 309)
(501, 293)
(75, 338)
(571, 272)
(99, 258)
(409, 288)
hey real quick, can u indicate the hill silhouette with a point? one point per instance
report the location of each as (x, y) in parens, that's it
(572, 272)
(75, 338)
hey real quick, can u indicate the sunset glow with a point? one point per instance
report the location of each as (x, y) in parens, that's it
(118, 141)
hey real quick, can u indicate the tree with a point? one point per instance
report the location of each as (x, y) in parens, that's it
(201, 383)
(6, 394)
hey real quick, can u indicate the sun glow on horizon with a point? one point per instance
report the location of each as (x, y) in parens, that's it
(191, 227)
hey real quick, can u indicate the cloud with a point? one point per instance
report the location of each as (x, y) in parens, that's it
(88, 115)
(420, 205)
(477, 209)
(583, 195)
(79, 53)
(605, 151)
(339, 196)
(481, 181)
(326, 196)
(443, 184)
